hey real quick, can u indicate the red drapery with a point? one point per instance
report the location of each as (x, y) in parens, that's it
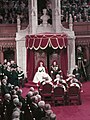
(42, 41)
(36, 42)
(30, 64)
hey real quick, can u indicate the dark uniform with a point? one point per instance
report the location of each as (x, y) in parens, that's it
(14, 77)
(77, 73)
(1, 71)
(55, 70)
(21, 77)
(80, 62)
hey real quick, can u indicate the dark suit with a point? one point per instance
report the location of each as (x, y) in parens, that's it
(77, 73)
(14, 77)
(39, 113)
(4, 89)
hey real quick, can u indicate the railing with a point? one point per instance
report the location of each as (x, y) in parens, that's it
(7, 35)
(9, 30)
(82, 33)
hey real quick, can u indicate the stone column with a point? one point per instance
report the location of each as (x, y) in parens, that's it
(18, 23)
(71, 55)
(56, 15)
(70, 22)
(33, 22)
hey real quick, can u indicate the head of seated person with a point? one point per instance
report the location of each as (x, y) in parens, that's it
(5, 77)
(39, 97)
(75, 84)
(31, 89)
(41, 104)
(41, 67)
(36, 92)
(70, 76)
(47, 82)
(19, 92)
(54, 63)
(4, 82)
(29, 94)
(7, 97)
(40, 63)
(48, 113)
(53, 116)
(16, 109)
(47, 107)
(16, 88)
(16, 101)
(15, 115)
(74, 80)
(34, 99)
(13, 92)
(58, 78)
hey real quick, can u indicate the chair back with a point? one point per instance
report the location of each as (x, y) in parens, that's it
(58, 91)
(46, 88)
(73, 90)
(74, 95)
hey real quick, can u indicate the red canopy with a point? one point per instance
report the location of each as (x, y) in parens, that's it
(42, 41)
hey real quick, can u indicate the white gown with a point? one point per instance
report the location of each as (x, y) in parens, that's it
(41, 75)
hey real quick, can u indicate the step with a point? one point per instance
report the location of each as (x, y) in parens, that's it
(30, 84)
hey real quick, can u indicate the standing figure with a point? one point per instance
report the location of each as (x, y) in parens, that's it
(20, 76)
(80, 61)
(55, 70)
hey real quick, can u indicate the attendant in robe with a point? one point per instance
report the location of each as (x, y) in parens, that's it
(41, 74)
(20, 76)
(80, 62)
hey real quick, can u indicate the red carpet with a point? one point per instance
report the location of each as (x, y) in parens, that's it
(75, 112)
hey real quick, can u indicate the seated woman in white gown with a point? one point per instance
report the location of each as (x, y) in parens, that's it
(41, 74)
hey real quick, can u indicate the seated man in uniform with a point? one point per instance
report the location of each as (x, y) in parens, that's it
(77, 72)
(55, 70)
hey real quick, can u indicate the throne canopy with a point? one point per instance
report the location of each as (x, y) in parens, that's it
(42, 41)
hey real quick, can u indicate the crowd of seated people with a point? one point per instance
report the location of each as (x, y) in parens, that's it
(15, 107)
(13, 73)
(55, 78)
(79, 9)
(65, 84)
(9, 9)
